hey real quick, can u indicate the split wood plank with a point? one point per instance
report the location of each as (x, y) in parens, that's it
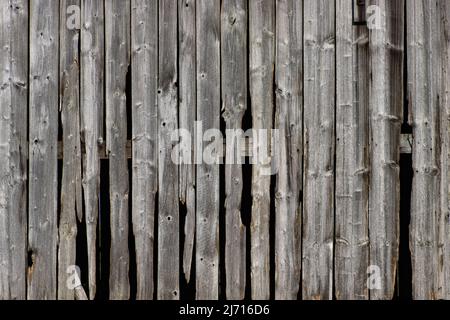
(187, 116)
(352, 156)
(234, 104)
(13, 145)
(144, 33)
(71, 203)
(208, 113)
(117, 26)
(168, 183)
(288, 120)
(43, 165)
(262, 60)
(319, 146)
(386, 113)
(92, 111)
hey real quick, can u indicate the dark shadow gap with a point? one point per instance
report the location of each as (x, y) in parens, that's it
(104, 236)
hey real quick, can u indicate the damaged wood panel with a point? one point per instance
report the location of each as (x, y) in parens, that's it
(13, 146)
(117, 36)
(71, 203)
(144, 63)
(319, 146)
(43, 135)
(352, 156)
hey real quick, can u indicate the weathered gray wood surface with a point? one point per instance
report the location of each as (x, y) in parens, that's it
(43, 137)
(386, 113)
(208, 112)
(13, 145)
(117, 36)
(352, 156)
(288, 119)
(168, 183)
(262, 64)
(144, 62)
(319, 145)
(92, 111)
(187, 116)
(71, 203)
(234, 104)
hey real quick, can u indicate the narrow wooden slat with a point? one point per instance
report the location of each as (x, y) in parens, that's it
(92, 110)
(144, 37)
(352, 156)
(71, 169)
(288, 120)
(262, 59)
(208, 113)
(117, 35)
(386, 110)
(168, 183)
(13, 143)
(187, 116)
(234, 104)
(43, 134)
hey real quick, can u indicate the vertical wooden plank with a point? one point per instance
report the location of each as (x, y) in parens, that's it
(352, 156)
(187, 116)
(208, 113)
(444, 222)
(13, 146)
(144, 33)
(234, 105)
(43, 135)
(262, 60)
(117, 28)
(319, 144)
(288, 120)
(70, 117)
(386, 106)
(92, 110)
(168, 218)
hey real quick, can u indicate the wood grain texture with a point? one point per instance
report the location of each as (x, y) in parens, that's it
(43, 136)
(71, 194)
(187, 115)
(386, 111)
(168, 183)
(144, 33)
(319, 146)
(117, 28)
(208, 112)
(261, 82)
(352, 156)
(425, 112)
(92, 111)
(234, 104)
(13, 146)
(288, 120)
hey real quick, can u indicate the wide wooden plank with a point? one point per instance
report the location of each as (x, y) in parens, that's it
(352, 156)
(288, 120)
(43, 137)
(71, 203)
(187, 116)
(117, 35)
(168, 183)
(262, 60)
(234, 104)
(92, 111)
(13, 145)
(208, 113)
(319, 140)
(386, 112)
(144, 37)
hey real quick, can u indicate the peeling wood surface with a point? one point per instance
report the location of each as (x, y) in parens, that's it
(117, 44)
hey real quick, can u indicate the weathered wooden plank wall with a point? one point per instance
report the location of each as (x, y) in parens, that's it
(324, 222)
